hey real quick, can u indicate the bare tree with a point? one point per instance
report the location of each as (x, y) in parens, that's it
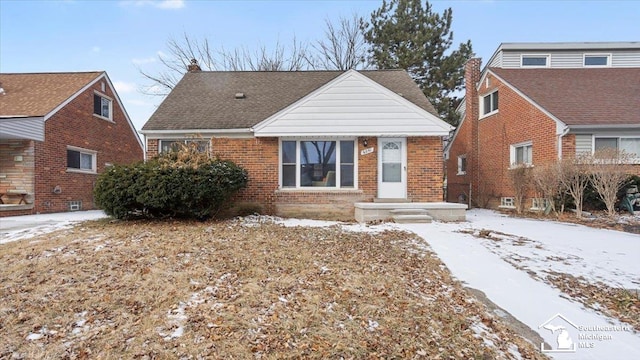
(574, 177)
(182, 51)
(343, 47)
(609, 172)
(520, 177)
(546, 181)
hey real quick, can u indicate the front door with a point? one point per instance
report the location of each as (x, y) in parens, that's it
(392, 168)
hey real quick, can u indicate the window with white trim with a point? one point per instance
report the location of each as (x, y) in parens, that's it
(534, 61)
(596, 60)
(539, 203)
(317, 163)
(174, 145)
(630, 145)
(462, 164)
(507, 202)
(81, 159)
(490, 103)
(102, 106)
(522, 154)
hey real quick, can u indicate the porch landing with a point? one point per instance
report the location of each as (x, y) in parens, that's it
(443, 211)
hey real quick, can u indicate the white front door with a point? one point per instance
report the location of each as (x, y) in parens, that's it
(392, 168)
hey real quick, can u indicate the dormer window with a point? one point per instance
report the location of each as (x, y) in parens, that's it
(596, 60)
(535, 61)
(102, 106)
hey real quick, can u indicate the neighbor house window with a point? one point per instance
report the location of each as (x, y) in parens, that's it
(596, 59)
(81, 159)
(317, 163)
(630, 145)
(539, 203)
(522, 154)
(102, 106)
(535, 60)
(175, 145)
(490, 103)
(462, 164)
(507, 202)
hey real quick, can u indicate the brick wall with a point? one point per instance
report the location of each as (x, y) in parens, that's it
(75, 125)
(516, 121)
(424, 169)
(16, 168)
(259, 156)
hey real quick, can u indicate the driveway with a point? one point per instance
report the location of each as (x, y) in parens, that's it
(502, 269)
(20, 227)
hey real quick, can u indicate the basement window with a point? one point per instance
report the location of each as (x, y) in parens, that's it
(507, 202)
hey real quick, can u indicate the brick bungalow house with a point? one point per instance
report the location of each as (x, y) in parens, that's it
(535, 103)
(315, 143)
(58, 131)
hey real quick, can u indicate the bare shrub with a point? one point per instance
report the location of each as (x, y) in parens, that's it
(520, 178)
(546, 182)
(484, 195)
(609, 172)
(574, 177)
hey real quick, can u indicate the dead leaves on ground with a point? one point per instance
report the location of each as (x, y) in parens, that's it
(232, 289)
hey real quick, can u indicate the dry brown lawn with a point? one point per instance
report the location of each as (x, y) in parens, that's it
(237, 290)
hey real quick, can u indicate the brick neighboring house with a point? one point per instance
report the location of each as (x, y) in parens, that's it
(535, 103)
(58, 131)
(314, 142)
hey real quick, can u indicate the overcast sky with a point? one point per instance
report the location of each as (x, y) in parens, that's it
(120, 36)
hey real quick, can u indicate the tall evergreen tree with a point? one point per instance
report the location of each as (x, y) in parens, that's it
(405, 34)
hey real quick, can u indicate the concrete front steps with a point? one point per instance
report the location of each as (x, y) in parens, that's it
(408, 216)
(409, 212)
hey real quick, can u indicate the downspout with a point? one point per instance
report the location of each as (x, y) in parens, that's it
(144, 147)
(565, 131)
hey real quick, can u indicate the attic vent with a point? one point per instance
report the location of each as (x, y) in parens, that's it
(240, 96)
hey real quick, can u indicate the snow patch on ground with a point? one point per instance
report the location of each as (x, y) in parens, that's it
(15, 228)
(541, 247)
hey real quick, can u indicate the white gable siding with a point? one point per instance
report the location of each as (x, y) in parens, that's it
(568, 59)
(625, 59)
(353, 105)
(496, 61)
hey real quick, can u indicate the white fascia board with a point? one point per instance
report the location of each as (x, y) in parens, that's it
(113, 90)
(356, 134)
(560, 125)
(258, 128)
(124, 110)
(189, 133)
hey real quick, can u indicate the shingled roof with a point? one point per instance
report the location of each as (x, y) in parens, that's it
(206, 100)
(603, 96)
(37, 94)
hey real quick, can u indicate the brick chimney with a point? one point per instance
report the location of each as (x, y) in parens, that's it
(193, 67)
(472, 112)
